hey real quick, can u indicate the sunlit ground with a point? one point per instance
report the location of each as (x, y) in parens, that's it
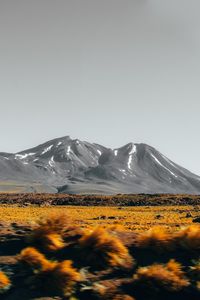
(130, 218)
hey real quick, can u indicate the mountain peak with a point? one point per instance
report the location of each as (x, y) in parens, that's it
(83, 167)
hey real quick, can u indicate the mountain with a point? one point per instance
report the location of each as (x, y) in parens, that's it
(73, 166)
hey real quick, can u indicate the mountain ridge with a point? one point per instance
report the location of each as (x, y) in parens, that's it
(74, 166)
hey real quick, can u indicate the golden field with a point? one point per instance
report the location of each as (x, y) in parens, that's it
(56, 258)
(116, 249)
(129, 218)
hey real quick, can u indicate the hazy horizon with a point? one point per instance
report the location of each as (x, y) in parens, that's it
(109, 72)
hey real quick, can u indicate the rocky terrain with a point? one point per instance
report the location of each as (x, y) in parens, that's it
(46, 199)
(55, 259)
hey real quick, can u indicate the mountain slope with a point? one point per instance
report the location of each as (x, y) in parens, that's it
(74, 166)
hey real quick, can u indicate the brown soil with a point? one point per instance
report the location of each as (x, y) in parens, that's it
(99, 200)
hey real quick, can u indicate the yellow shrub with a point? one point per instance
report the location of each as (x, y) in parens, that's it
(52, 276)
(52, 241)
(54, 223)
(48, 233)
(4, 281)
(60, 278)
(188, 238)
(160, 277)
(35, 259)
(100, 249)
(156, 238)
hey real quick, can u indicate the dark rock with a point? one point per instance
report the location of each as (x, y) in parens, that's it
(196, 220)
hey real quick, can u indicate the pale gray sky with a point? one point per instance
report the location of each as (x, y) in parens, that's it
(106, 71)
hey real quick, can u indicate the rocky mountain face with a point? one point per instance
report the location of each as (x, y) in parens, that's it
(73, 166)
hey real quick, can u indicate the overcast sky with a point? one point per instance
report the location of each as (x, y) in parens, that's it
(105, 71)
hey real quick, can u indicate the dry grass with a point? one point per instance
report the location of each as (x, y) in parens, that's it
(136, 219)
(156, 238)
(36, 260)
(48, 232)
(158, 277)
(53, 266)
(50, 241)
(54, 277)
(100, 249)
(4, 281)
(60, 278)
(188, 238)
(55, 222)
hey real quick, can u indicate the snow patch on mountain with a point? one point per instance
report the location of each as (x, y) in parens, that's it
(51, 162)
(163, 166)
(133, 150)
(23, 156)
(47, 149)
(115, 152)
(68, 150)
(99, 151)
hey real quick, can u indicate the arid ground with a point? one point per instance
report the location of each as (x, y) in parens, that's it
(123, 250)
(128, 218)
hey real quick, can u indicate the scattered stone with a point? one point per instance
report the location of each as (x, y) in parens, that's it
(188, 215)
(196, 220)
(159, 217)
